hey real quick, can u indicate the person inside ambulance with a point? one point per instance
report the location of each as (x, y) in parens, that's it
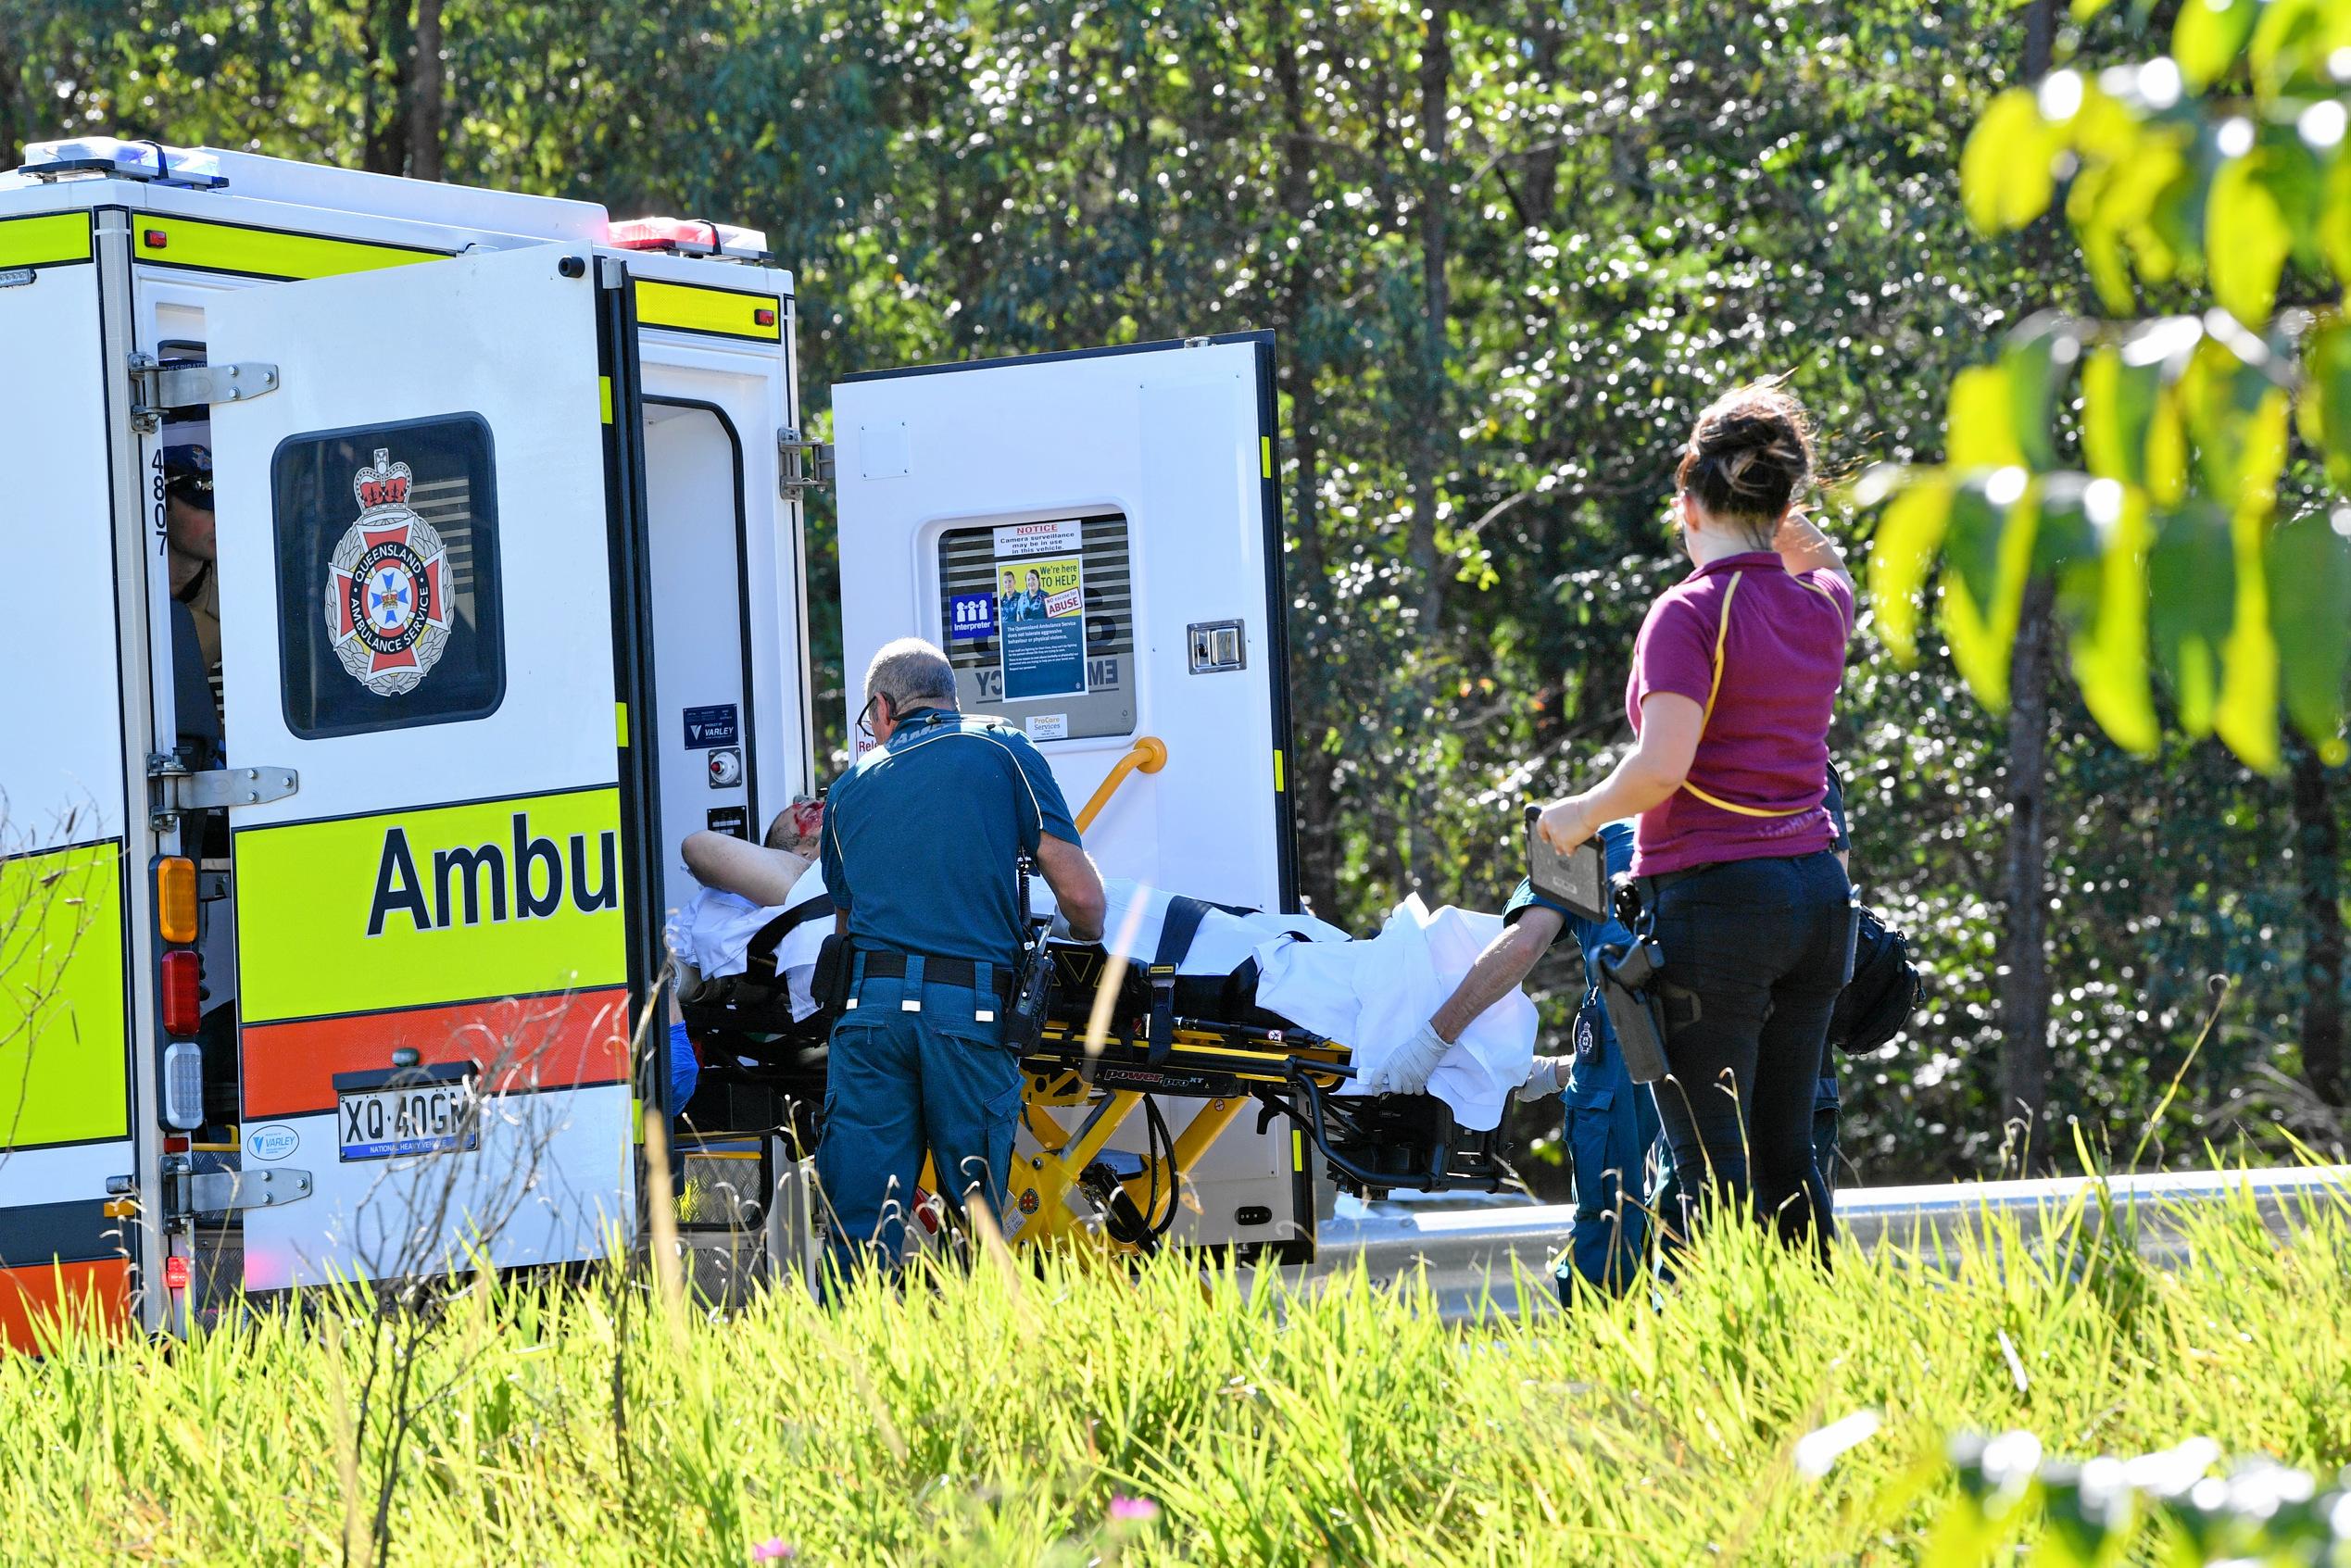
(924, 842)
(188, 538)
(736, 914)
(195, 602)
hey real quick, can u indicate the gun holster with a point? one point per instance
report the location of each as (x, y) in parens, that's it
(1631, 988)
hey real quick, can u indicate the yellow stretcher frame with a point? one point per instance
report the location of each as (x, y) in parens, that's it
(1046, 1206)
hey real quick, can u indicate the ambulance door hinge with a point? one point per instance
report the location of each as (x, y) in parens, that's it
(221, 1192)
(178, 789)
(801, 466)
(157, 388)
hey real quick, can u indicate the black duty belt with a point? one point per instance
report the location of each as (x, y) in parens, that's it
(891, 965)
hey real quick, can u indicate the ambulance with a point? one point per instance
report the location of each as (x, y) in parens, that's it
(512, 594)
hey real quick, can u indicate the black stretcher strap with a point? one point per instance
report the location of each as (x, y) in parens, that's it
(759, 956)
(1175, 935)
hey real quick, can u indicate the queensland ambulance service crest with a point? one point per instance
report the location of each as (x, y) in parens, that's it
(387, 604)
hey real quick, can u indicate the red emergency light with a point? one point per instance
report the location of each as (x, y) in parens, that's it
(182, 992)
(692, 236)
(688, 236)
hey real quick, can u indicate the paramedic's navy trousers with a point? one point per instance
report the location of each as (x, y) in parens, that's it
(902, 1082)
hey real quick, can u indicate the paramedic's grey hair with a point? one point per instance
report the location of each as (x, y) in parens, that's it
(910, 671)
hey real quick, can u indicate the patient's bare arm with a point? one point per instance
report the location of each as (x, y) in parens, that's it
(1500, 970)
(748, 870)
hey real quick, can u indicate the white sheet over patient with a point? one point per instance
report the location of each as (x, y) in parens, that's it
(1373, 995)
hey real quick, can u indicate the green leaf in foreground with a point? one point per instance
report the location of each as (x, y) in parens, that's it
(2004, 175)
(1993, 522)
(2247, 239)
(1902, 556)
(2104, 600)
(2208, 34)
(2310, 573)
(2247, 718)
(2191, 589)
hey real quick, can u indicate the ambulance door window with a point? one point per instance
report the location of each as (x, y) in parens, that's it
(1040, 623)
(388, 592)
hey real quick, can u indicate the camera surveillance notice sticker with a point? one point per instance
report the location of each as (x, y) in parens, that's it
(1040, 610)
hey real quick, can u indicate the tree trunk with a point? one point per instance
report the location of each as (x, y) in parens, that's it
(1427, 445)
(385, 41)
(14, 126)
(2024, 958)
(1315, 796)
(2317, 861)
(428, 101)
(2023, 969)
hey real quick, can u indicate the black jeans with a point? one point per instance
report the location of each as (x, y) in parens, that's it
(1754, 958)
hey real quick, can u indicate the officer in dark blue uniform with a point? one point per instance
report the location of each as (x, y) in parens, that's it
(922, 847)
(1611, 1120)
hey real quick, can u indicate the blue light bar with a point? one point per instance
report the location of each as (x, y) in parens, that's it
(190, 168)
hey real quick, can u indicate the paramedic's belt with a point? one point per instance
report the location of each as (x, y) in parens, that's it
(885, 964)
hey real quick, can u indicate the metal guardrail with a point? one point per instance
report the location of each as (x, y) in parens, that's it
(1471, 1252)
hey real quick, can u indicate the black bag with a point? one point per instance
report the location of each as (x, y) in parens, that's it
(1885, 990)
(829, 986)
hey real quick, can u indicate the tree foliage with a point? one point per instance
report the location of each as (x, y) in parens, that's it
(2148, 462)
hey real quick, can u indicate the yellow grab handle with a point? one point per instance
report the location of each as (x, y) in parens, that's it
(1148, 755)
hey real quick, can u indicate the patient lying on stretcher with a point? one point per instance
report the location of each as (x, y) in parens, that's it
(1370, 994)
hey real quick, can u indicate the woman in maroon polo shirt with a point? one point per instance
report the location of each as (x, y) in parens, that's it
(1735, 677)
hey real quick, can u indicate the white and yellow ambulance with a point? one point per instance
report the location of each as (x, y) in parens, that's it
(512, 596)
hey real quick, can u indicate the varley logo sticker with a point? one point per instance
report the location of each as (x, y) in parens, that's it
(273, 1142)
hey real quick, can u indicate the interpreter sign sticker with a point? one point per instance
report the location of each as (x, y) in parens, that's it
(972, 616)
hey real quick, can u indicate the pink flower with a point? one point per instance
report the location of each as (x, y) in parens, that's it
(775, 1548)
(1133, 1511)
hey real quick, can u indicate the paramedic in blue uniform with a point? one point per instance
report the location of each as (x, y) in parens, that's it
(921, 843)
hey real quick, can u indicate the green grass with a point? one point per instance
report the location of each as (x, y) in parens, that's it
(994, 1418)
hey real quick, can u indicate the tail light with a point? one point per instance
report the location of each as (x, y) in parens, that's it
(175, 898)
(183, 1085)
(175, 1273)
(182, 992)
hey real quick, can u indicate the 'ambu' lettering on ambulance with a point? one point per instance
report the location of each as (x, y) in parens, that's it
(474, 882)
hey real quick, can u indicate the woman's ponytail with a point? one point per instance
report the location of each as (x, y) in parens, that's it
(1748, 456)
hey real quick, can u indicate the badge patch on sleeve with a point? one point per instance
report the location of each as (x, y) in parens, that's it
(387, 588)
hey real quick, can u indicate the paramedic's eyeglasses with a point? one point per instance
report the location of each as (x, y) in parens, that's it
(864, 715)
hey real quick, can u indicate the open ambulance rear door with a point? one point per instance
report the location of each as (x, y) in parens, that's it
(1095, 539)
(77, 945)
(427, 538)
